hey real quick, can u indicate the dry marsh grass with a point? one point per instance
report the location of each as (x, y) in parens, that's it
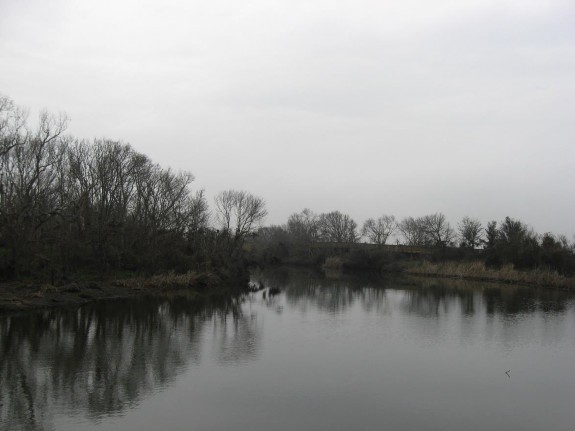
(478, 270)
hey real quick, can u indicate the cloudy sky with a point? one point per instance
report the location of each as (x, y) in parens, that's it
(465, 107)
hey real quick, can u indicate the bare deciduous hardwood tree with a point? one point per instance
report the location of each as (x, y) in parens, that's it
(438, 230)
(12, 125)
(470, 232)
(303, 227)
(379, 230)
(239, 212)
(413, 231)
(337, 227)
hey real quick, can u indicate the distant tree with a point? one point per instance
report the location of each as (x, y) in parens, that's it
(491, 235)
(303, 227)
(438, 230)
(272, 244)
(511, 230)
(565, 243)
(238, 211)
(517, 243)
(272, 234)
(548, 242)
(337, 227)
(414, 231)
(470, 232)
(379, 230)
(557, 253)
(196, 212)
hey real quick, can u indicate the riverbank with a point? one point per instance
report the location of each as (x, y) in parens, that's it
(469, 270)
(22, 296)
(477, 270)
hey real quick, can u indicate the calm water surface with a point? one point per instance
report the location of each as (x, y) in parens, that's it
(327, 353)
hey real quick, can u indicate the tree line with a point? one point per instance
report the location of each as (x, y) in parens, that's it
(509, 241)
(69, 205)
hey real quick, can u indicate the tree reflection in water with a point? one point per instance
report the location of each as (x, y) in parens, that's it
(309, 289)
(426, 297)
(99, 359)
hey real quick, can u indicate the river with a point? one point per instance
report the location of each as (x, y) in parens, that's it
(328, 352)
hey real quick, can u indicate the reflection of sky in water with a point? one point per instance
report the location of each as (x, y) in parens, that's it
(343, 353)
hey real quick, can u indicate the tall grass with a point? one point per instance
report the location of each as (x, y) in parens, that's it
(477, 270)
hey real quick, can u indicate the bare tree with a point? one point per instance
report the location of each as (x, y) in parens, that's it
(197, 212)
(438, 230)
(470, 232)
(225, 203)
(562, 239)
(66, 204)
(413, 231)
(239, 212)
(29, 182)
(12, 125)
(378, 231)
(304, 226)
(337, 227)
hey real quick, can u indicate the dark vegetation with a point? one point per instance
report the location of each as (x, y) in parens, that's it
(333, 240)
(72, 209)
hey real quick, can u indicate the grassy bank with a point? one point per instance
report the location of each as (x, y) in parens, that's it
(478, 271)
(21, 296)
(469, 270)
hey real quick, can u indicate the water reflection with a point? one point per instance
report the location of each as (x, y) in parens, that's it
(426, 297)
(335, 294)
(100, 359)
(343, 352)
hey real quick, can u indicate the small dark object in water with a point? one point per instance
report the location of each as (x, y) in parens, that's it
(507, 372)
(274, 291)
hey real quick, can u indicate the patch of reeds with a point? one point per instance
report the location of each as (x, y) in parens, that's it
(478, 271)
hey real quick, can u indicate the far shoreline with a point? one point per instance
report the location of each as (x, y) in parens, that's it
(466, 270)
(24, 296)
(477, 271)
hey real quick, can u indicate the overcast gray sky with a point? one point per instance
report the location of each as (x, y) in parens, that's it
(465, 107)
